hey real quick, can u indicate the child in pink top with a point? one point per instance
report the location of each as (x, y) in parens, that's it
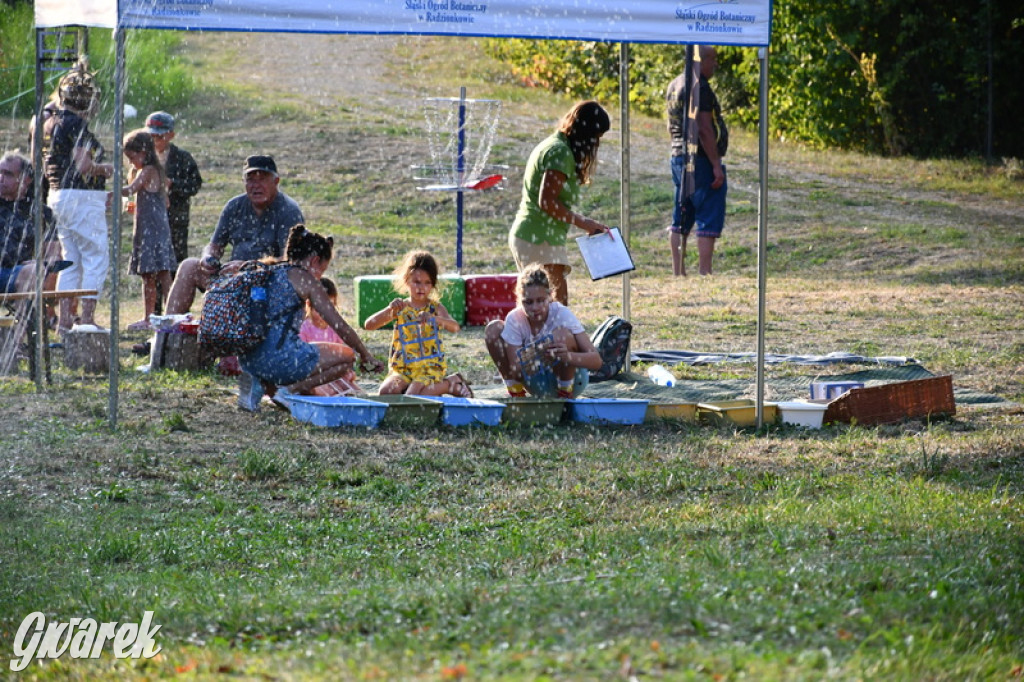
(314, 329)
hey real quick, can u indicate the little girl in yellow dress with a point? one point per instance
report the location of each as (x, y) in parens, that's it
(417, 362)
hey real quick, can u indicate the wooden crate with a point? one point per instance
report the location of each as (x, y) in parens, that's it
(178, 351)
(894, 402)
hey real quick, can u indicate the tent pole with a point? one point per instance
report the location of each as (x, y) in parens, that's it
(624, 172)
(460, 179)
(762, 229)
(115, 238)
(37, 201)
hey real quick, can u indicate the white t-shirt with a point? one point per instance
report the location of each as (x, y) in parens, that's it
(517, 331)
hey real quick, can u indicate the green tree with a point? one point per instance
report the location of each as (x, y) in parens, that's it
(877, 76)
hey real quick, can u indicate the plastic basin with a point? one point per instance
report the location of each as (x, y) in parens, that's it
(607, 410)
(336, 411)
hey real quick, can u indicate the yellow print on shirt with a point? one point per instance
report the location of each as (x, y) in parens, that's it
(416, 349)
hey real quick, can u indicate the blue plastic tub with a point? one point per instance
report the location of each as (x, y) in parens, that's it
(469, 411)
(336, 411)
(607, 410)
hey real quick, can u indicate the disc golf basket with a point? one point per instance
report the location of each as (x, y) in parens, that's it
(460, 133)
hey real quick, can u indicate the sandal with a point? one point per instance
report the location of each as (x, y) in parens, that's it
(458, 386)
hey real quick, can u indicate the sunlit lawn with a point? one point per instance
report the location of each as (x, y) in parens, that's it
(272, 550)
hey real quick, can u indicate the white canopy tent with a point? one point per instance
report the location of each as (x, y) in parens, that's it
(737, 22)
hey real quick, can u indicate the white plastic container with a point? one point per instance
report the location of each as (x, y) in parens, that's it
(802, 413)
(660, 375)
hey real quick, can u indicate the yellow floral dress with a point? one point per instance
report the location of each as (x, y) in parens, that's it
(417, 353)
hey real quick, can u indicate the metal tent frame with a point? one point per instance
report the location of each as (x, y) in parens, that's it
(115, 14)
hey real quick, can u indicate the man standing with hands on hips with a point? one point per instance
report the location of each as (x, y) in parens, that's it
(705, 207)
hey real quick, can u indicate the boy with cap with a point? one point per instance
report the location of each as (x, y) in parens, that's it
(183, 175)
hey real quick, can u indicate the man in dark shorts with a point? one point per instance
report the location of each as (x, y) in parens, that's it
(255, 224)
(705, 207)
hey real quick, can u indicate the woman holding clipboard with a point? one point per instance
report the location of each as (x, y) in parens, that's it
(555, 171)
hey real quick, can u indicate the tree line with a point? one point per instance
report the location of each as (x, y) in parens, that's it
(933, 79)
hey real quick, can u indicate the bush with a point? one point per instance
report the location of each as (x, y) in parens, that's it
(590, 70)
(17, 77)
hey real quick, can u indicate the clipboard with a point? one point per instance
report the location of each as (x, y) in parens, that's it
(605, 254)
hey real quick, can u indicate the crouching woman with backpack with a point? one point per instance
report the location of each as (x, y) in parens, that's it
(283, 362)
(541, 347)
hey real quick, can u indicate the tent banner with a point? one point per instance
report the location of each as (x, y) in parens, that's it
(725, 22)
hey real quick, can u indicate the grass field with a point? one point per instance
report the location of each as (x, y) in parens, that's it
(269, 550)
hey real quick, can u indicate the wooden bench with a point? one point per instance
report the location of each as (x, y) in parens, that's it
(23, 319)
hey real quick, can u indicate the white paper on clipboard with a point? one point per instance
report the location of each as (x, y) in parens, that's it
(605, 254)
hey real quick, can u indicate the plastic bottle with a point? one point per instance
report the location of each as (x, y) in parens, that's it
(661, 376)
(258, 307)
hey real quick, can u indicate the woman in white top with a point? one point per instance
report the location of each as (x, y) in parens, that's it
(541, 347)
